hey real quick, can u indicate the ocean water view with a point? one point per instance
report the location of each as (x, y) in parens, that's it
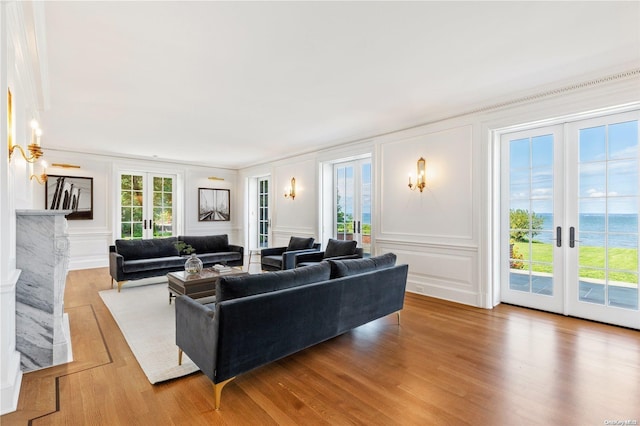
(622, 230)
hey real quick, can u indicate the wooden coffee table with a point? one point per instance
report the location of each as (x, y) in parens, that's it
(198, 285)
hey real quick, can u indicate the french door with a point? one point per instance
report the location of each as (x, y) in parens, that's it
(532, 212)
(569, 219)
(146, 205)
(603, 211)
(263, 212)
(352, 196)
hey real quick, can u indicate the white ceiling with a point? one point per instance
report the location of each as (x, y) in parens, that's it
(231, 84)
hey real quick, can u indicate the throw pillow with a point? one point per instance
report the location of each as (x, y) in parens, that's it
(339, 248)
(233, 287)
(299, 243)
(347, 267)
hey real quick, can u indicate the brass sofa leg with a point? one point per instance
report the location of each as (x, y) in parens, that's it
(398, 313)
(179, 356)
(120, 283)
(217, 389)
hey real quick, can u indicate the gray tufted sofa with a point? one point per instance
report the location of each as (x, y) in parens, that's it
(137, 259)
(257, 319)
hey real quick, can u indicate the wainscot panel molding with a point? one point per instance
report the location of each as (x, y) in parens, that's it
(90, 250)
(445, 209)
(281, 236)
(419, 246)
(443, 271)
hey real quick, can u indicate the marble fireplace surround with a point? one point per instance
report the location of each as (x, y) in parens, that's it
(42, 254)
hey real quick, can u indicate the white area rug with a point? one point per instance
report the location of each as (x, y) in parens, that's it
(148, 323)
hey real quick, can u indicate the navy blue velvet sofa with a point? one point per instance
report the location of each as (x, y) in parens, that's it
(258, 319)
(137, 259)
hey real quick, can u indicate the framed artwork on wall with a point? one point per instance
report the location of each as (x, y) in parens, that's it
(70, 193)
(214, 204)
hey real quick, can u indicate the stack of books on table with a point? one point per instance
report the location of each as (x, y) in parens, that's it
(222, 268)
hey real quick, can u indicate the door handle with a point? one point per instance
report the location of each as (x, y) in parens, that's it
(572, 237)
(358, 227)
(144, 226)
(558, 236)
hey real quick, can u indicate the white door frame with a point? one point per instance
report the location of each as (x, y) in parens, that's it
(554, 302)
(496, 190)
(177, 204)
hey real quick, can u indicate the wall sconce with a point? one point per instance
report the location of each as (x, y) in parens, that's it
(290, 192)
(421, 176)
(34, 147)
(43, 177)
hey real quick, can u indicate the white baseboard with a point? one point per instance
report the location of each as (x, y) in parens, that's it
(452, 295)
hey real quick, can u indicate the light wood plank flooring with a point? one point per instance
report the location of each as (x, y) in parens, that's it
(444, 364)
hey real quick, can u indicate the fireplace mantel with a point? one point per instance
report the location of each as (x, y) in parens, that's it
(42, 255)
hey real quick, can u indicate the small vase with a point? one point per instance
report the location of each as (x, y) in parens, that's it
(193, 265)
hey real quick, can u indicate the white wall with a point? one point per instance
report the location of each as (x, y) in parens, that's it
(197, 177)
(446, 233)
(294, 216)
(90, 239)
(433, 231)
(19, 72)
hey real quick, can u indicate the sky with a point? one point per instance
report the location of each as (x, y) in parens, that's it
(345, 182)
(608, 170)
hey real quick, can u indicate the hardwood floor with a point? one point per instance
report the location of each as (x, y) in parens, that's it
(444, 364)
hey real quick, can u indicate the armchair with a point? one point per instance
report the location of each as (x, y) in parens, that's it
(277, 258)
(335, 250)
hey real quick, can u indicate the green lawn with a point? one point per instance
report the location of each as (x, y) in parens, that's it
(623, 263)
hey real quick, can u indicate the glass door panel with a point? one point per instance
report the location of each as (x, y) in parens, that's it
(606, 238)
(162, 206)
(364, 224)
(344, 203)
(263, 212)
(146, 206)
(529, 228)
(131, 206)
(353, 203)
